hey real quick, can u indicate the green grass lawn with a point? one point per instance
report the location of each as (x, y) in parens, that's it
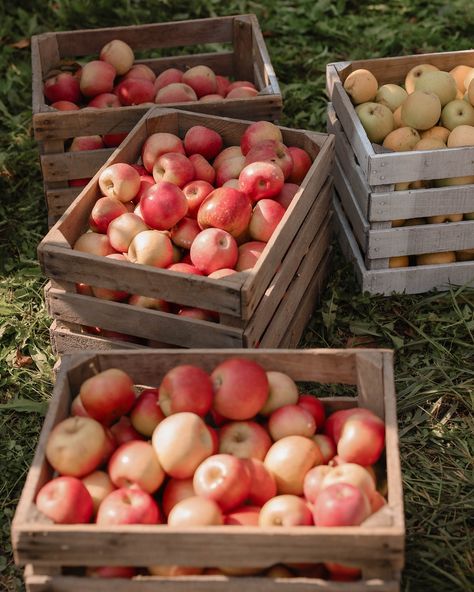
(432, 334)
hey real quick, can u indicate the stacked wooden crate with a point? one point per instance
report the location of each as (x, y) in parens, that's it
(245, 57)
(365, 179)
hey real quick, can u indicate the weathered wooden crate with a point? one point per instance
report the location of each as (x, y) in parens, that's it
(377, 546)
(247, 302)
(371, 210)
(245, 57)
(384, 169)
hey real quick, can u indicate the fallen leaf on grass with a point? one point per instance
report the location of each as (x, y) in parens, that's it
(21, 361)
(21, 44)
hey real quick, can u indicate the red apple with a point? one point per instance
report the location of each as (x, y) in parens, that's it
(76, 446)
(203, 171)
(184, 233)
(224, 479)
(244, 439)
(316, 407)
(65, 106)
(80, 143)
(181, 442)
(221, 273)
(176, 92)
(114, 140)
(135, 91)
(146, 181)
(173, 571)
(168, 76)
(213, 249)
(202, 140)
(262, 482)
(285, 510)
(113, 571)
(340, 504)
(151, 247)
(65, 500)
(195, 511)
(185, 268)
(228, 169)
(222, 83)
(313, 481)
(105, 101)
(123, 229)
(240, 388)
(335, 422)
(261, 179)
(135, 463)
(377, 501)
(225, 208)
(242, 92)
(97, 77)
(163, 205)
(108, 395)
(196, 192)
(77, 408)
(175, 168)
(242, 516)
(228, 153)
(186, 388)
(99, 485)
(301, 164)
(119, 54)
(353, 474)
(291, 420)
(175, 491)
(104, 211)
(149, 302)
(146, 413)
(95, 244)
(271, 151)
(62, 87)
(266, 216)
(212, 98)
(120, 181)
(124, 431)
(240, 84)
(286, 195)
(140, 71)
(128, 505)
(158, 144)
(258, 132)
(201, 79)
(362, 439)
(343, 573)
(200, 314)
(249, 254)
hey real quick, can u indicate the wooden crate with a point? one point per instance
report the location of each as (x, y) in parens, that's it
(246, 301)
(370, 211)
(245, 57)
(385, 169)
(377, 546)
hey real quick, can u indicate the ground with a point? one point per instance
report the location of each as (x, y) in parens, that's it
(432, 334)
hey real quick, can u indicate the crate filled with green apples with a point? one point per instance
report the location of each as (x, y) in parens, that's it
(200, 231)
(90, 87)
(211, 469)
(405, 145)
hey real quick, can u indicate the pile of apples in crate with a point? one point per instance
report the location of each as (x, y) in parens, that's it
(180, 212)
(238, 446)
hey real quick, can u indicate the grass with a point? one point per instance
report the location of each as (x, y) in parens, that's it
(432, 334)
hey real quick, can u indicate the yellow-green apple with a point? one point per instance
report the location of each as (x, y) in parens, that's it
(326, 446)
(361, 438)
(181, 267)
(108, 395)
(222, 83)
(174, 168)
(459, 74)
(285, 510)
(135, 463)
(123, 229)
(99, 485)
(186, 388)
(342, 573)
(271, 151)
(119, 54)
(185, 231)
(195, 511)
(229, 168)
(202, 140)
(128, 505)
(377, 121)
(462, 135)
(97, 77)
(181, 442)
(240, 388)
(112, 571)
(351, 473)
(289, 459)
(173, 571)
(105, 101)
(316, 407)
(203, 170)
(135, 91)
(229, 152)
(282, 391)
(158, 144)
(65, 106)
(62, 87)
(95, 244)
(176, 92)
(259, 180)
(123, 431)
(168, 76)
(146, 413)
(436, 258)
(225, 208)
(402, 139)
(240, 84)
(361, 85)
(262, 482)
(439, 83)
(120, 181)
(175, 491)
(224, 479)
(301, 164)
(242, 516)
(211, 98)
(429, 144)
(421, 110)
(151, 247)
(65, 500)
(195, 193)
(201, 79)
(458, 112)
(163, 205)
(140, 71)
(291, 420)
(248, 255)
(244, 439)
(242, 92)
(341, 504)
(76, 446)
(266, 216)
(77, 408)
(104, 211)
(258, 132)
(213, 249)
(80, 143)
(221, 273)
(313, 481)
(286, 195)
(415, 73)
(391, 95)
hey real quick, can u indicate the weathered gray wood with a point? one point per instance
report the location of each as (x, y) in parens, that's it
(351, 207)
(263, 66)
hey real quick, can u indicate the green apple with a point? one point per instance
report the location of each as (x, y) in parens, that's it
(440, 83)
(421, 110)
(361, 85)
(391, 95)
(376, 119)
(415, 73)
(456, 113)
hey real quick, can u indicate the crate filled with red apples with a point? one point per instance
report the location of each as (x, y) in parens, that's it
(166, 247)
(90, 87)
(216, 470)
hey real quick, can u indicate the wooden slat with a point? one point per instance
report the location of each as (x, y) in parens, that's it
(221, 62)
(263, 66)
(370, 383)
(243, 51)
(60, 199)
(351, 207)
(73, 165)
